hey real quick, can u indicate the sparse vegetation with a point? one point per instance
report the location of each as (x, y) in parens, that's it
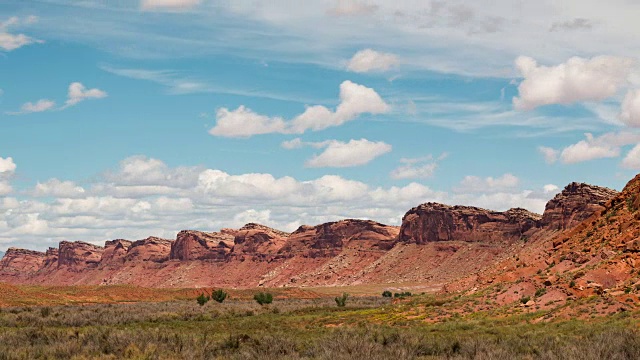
(540, 292)
(402, 294)
(263, 298)
(218, 295)
(387, 294)
(303, 329)
(202, 299)
(341, 301)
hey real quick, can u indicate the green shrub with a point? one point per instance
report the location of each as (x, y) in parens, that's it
(525, 299)
(218, 295)
(342, 300)
(202, 299)
(386, 293)
(541, 292)
(402, 294)
(263, 298)
(572, 284)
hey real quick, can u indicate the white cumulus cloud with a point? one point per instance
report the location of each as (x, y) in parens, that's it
(550, 154)
(576, 80)
(10, 41)
(78, 92)
(632, 159)
(34, 107)
(370, 60)
(352, 153)
(355, 100)
(341, 154)
(630, 113)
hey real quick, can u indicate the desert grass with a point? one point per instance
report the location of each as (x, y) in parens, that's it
(366, 328)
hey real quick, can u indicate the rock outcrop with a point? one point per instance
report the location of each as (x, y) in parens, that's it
(79, 255)
(21, 261)
(432, 222)
(328, 238)
(199, 245)
(435, 243)
(150, 249)
(258, 240)
(114, 252)
(575, 204)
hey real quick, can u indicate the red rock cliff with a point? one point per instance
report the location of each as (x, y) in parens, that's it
(432, 222)
(574, 204)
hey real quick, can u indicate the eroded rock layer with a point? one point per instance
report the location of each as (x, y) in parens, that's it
(435, 244)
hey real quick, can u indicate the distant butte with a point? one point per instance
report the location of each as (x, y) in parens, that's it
(435, 244)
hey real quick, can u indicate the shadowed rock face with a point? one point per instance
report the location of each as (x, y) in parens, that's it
(199, 245)
(336, 235)
(22, 261)
(79, 254)
(150, 249)
(433, 222)
(575, 204)
(255, 239)
(115, 251)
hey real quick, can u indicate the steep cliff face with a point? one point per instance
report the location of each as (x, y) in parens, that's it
(574, 204)
(114, 252)
(199, 245)
(21, 261)
(79, 255)
(433, 222)
(150, 249)
(328, 238)
(258, 240)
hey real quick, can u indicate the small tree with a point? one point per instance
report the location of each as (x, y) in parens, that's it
(219, 295)
(202, 299)
(263, 298)
(342, 300)
(386, 293)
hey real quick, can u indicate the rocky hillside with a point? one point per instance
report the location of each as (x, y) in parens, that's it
(598, 256)
(436, 244)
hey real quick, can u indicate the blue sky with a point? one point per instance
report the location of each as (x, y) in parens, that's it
(138, 118)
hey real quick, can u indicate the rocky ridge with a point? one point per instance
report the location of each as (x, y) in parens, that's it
(435, 244)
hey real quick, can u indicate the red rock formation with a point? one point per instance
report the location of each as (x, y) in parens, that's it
(326, 239)
(79, 255)
(51, 257)
(198, 245)
(435, 244)
(21, 261)
(574, 204)
(258, 240)
(114, 252)
(438, 222)
(150, 249)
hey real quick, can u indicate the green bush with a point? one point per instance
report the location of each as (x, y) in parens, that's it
(386, 293)
(572, 284)
(525, 299)
(218, 295)
(402, 294)
(541, 292)
(342, 300)
(263, 298)
(202, 299)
